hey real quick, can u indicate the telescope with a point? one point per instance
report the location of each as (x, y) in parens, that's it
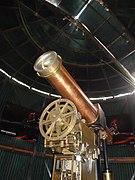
(72, 126)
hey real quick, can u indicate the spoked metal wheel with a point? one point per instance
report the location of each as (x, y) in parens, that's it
(58, 119)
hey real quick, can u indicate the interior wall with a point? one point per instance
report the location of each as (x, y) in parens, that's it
(32, 163)
(22, 160)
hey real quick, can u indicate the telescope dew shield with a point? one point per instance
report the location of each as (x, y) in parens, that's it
(49, 66)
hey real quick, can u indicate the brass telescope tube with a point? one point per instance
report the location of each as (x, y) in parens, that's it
(49, 66)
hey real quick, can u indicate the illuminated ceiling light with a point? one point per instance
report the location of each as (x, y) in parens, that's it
(4, 72)
(125, 94)
(58, 96)
(39, 91)
(20, 82)
(102, 98)
(8, 132)
(55, 95)
(79, 14)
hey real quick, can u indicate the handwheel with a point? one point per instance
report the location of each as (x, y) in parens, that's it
(58, 119)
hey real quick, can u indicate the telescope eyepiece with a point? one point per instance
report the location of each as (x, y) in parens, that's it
(47, 63)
